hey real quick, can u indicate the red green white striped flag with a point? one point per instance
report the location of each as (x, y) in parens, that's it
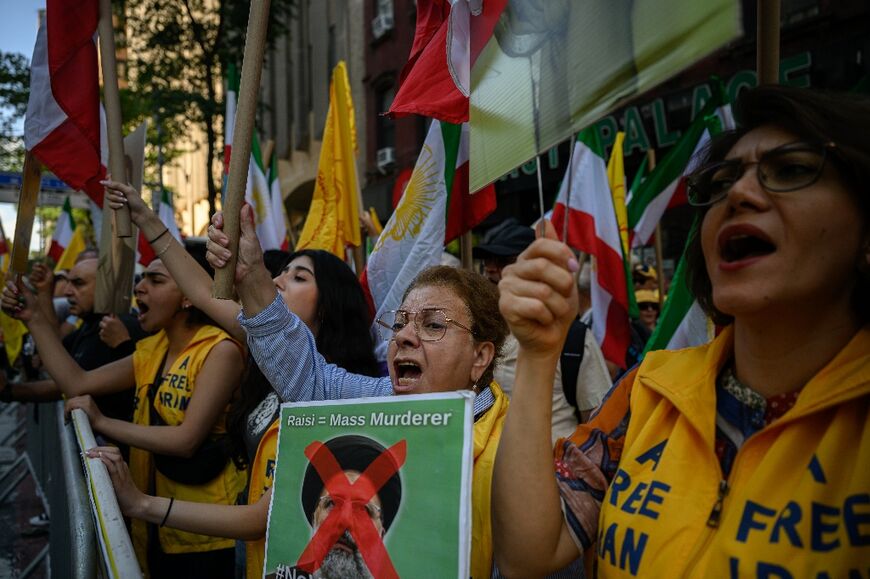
(667, 181)
(63, 232)
(593, 228)
(683, 323)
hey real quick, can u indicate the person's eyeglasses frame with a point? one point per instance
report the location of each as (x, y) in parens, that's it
(795, 146)
(412, 317)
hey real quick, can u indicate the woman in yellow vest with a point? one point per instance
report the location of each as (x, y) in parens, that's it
(319, 288)
(184, 377)
(446, 335)
(745, 457)
(461, 292)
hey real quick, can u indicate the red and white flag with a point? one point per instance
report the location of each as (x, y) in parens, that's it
(167, 216)
(62, 125)
(63, 232)
(436, 80)
(593, 228)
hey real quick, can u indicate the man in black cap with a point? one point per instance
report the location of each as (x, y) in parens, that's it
(501, 246)
(354, 454)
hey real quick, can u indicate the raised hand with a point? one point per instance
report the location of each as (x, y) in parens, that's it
(42, 279)
(539, 295)
(250, 256)
(120, 194)
(113, 332)
(18, 301)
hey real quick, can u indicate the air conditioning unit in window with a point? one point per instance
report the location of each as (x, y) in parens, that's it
(386, 159)
(381, 24)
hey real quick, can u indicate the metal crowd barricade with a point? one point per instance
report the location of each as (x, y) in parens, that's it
(116, 547)
(54, 460)
(88, 536)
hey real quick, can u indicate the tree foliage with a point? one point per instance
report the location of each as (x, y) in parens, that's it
(178, 51)
(14, 90)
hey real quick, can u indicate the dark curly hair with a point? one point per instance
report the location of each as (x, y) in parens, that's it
(344, 337)
(815, 116)
(480, 297)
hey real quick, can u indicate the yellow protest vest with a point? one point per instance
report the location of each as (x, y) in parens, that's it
(797, 501)
(487, 433)
(262, 477)
(171, 401)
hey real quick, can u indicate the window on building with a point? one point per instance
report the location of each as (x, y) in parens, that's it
(384, 7)
(385, 126)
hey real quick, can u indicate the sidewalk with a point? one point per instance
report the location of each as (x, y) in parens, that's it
(20, 542)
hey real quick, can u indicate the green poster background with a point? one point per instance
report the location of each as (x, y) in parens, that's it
(425, 538)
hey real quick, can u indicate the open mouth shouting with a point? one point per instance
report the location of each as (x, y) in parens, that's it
(743, 245)
(407, 373)
(143, 310)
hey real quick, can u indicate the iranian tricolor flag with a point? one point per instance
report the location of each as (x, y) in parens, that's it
(229, 118)
(167, 216)
(279, 219)
(66, 240)
(258, 195)
(666, 183)
(414, 237)
(436, 80)
(258, 191)
(683, 323)
(593, 228)
(62, 125)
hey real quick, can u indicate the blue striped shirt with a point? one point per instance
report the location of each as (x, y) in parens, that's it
(286, 352)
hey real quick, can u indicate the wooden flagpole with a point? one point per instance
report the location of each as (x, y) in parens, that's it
(112, 101)
(27, 199)
(465, 251)
(252, 65)
(651, 156)
(767, 41)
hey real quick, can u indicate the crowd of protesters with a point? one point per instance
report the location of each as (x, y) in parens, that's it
(747, 456)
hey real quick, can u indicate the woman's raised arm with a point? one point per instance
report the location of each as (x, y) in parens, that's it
(539, 301)
(192, 279)
(70, 378)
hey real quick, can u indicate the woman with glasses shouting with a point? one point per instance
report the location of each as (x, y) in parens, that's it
(446, 336)
(744, 457)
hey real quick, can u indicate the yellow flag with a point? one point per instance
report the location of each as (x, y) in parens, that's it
(72, 251)
(616, 178)
(333, 218)
(375, 221)
(12, 329)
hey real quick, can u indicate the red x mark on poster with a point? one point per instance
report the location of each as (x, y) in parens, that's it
(349, 512)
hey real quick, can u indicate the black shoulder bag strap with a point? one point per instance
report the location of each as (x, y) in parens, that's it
(155, 418)
(570, 360)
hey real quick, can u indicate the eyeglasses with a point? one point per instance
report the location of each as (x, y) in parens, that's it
(375, 512)
(787, 168)
(648, 306)
(429, 323)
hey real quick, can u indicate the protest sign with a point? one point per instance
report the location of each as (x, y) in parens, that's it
(553, 67)
(379, 485)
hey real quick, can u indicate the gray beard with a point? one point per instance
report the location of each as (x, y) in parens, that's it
(339, 564)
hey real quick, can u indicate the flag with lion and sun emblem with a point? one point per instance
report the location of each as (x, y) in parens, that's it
(434, 208)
